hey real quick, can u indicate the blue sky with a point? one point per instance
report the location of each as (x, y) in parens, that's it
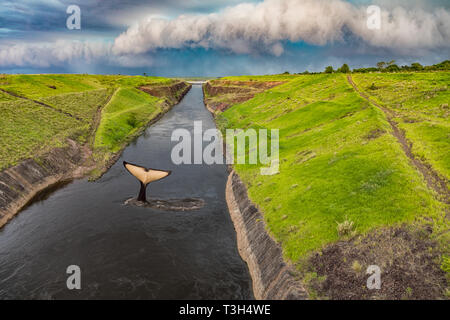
(217, 37)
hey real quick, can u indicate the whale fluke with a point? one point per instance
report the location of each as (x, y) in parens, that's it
(145, 176)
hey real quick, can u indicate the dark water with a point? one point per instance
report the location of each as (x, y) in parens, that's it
(125, 251)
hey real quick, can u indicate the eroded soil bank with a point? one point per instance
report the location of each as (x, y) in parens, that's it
(21, 183)
(221, 94)
(272, 277)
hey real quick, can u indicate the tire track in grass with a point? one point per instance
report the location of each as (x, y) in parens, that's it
(41, 104)
(434, 181)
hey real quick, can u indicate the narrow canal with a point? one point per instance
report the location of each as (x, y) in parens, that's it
(126, 251)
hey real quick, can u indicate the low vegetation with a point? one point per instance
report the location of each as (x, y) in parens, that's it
(128, 111)
(220, 94)
(28, 129)
(420, 104)
(40, 112)
(343, 174)
(82, 105)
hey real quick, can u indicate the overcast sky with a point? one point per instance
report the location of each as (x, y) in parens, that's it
(218, 37)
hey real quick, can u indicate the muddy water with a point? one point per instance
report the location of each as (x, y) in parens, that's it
(126, 251)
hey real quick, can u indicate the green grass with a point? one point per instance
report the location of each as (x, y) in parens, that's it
(195, 78)
(38, 86)
(29, 129)
(46, 85)
(6, 97)
(230, 90)
(131, 81)
(338, 161)
(421, 103)
(80, 104)
(128, 111)
(279, 77)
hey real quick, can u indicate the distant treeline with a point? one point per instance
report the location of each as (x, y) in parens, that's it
(382, 66)
(392, 67)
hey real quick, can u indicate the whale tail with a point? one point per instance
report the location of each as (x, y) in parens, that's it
(145, 176)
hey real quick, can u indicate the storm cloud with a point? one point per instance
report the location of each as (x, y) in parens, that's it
(262, 36)
(54, 53)
(263, 27)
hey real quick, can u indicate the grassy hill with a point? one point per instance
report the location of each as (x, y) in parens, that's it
(419, 102)
(344, 176)
(128, 110)
(40, 112)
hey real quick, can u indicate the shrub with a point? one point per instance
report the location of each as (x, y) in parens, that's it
(346, 228)
(329, 69)
(373, 86)
(344, 69)
(132, 120)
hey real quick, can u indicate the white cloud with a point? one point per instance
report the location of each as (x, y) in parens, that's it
(248, 28)
(66, 52)
(52, 53)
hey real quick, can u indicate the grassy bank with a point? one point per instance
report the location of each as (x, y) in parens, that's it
(343, 174)
(420, 103)
(128, 110)
(221, 94)
(40, 112)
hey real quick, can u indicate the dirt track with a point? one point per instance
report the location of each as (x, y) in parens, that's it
(434, 181)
